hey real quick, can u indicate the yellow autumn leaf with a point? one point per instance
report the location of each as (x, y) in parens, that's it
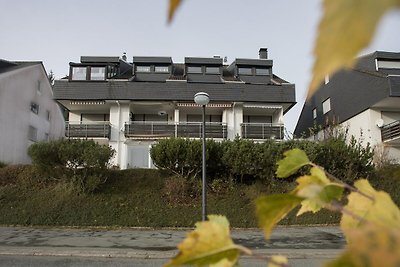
(379, 209)
(224, 263)
(173, 5)
(271, 209)
(371, 245)
(347, 26)
(209, 243)
(277, 261)
(316, 190)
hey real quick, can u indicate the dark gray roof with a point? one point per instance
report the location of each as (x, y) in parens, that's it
(95, 59)
(203, 61)
(173, 90)
(152, 60)
(6, 66)
(253, 62)
(350, 92)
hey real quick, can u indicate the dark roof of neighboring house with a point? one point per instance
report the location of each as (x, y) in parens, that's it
(6, 66)
(351, 92)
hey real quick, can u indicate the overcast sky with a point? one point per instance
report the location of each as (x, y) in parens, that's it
(58, 32)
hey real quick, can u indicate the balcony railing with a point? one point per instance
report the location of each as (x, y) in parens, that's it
(390, 131)
(97, 129)
(262, 131)
(148, 129)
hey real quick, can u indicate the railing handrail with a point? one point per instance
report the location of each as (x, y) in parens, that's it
(88, 122)
(172, 123)
(389, 125)
(262, 124)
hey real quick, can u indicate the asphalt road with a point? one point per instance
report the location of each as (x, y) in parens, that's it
(51, 261)
(24, 246)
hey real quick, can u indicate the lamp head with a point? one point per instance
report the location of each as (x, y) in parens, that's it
(201, 98)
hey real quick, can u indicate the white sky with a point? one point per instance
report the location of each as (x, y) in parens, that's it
(58, 32)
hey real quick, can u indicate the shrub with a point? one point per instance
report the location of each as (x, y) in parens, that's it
(178, 191)
(80, 162)
(184, 157)
(3, 164)
(247, 161)
(9, 174)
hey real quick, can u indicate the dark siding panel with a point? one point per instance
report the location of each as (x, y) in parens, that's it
(394, 82)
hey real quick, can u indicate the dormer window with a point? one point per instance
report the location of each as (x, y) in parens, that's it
(79, 73)
(212, 70)
(143, 69)
(245, 71)
(262, 71)
(97, 73)
(194, 70)
(161, 69)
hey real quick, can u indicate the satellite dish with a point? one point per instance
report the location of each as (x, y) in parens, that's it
(379, 123)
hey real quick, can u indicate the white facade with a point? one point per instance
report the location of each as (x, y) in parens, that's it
(28, 112)
(167, 119)
(367, 127)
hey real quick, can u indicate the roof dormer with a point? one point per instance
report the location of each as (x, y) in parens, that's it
(205, 70)
(152, 69)
(93, 68)
(257, 71)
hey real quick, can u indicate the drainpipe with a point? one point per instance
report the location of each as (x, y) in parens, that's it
(119, 134)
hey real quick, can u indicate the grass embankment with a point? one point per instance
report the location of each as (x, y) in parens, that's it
(137, 198)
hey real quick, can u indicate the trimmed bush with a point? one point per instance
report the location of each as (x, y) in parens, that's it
(247, 161)
(83, 163)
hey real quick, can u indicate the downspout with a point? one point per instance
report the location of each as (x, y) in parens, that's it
(119, 134)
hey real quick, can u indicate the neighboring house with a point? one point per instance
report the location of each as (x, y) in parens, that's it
(130, 105)
(365, 100)
(28, 112)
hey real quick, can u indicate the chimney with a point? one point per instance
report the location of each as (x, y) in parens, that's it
(263, 53)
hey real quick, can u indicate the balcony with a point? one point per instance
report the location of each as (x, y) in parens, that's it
(391, 131)
(262, 131)
(149, 130)
(97, 129)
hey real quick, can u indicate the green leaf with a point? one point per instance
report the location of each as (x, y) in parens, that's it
(294, 159)
(347, 26)
(379, 208)
(209, 243)
(272, 208)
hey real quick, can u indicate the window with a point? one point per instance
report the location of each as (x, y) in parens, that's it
(34, 108)
(162, 69)
(32, 133)
(213, 70)
(97, 73)
(38, 89)
(246, 71)
(194, 70)
(142, 68)
(48, 115)
(262, 71)
(314, 113)
(326, 106)
(326, 79)
(79, 73)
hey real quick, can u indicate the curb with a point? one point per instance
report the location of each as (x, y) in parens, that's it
(141, 254)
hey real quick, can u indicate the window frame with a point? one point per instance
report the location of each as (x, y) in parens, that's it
(326, 105)
(35, 108)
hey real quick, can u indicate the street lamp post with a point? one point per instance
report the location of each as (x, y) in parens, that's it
(202, 99)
